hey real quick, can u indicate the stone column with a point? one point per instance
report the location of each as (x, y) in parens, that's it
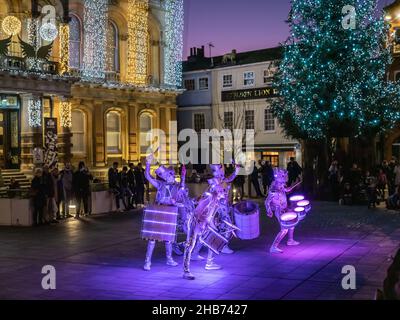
(133, 130)
(62, 112)
(99, 143)
(31, 129)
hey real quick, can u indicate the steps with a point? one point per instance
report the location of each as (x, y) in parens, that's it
(6, 176)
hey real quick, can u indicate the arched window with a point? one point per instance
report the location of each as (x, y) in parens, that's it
(114, 133)
(75, 42)
(146, 124)
(112, 48)
(78, 131)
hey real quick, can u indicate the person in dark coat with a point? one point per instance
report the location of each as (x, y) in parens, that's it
(267, 174)
(140, 182)
(294, 171)
(254, 180)
(132, 185)
(81, 186)
(39, 198)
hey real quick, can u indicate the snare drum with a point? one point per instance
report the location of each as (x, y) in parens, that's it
(289, 219)
(304, 204)
(296, 198)
(301, 212)
(213, 240)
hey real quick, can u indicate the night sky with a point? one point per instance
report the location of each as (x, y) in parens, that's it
(237, 24)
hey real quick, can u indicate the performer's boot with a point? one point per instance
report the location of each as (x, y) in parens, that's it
(211, 265)
(274, 248)
(150, 248)
(291, 241)
(168, 250)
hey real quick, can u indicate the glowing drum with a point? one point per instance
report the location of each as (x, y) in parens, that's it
(296, 198)
(159, 223)
(304, 204)
(213, 240)
(247, 219)
(289, 219)
(301, 212)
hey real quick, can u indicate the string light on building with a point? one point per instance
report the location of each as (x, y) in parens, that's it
(174, 21)
(64, 48)
(11, 25)
(65, 114)
(95, 24)
(138, 41)
(48, 32)
(33, 32)
(35, 112)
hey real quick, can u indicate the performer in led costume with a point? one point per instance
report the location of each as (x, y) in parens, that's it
(225, 208)
(169, 193)
(276, 203)
(203, 216)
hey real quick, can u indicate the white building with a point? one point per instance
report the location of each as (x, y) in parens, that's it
(242, 95)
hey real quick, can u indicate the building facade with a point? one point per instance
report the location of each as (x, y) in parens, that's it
(111, 74)
(239, 86)
(391, 140)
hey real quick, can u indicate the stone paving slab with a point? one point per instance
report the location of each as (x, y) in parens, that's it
(102, 258)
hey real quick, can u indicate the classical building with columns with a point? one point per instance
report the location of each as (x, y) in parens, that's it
(109, 71)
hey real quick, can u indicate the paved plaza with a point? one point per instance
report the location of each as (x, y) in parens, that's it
(102, 258)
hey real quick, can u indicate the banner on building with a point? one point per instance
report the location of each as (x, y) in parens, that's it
(50, 142)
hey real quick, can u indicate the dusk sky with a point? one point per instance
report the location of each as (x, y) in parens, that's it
(237, 24)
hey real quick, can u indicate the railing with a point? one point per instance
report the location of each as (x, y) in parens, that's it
(12, 63)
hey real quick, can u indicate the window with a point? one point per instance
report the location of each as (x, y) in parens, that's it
(78, 131)
(199, 122)
(268, 76)
(113, 132)
(249, 119)
(203, 84)
(249, 79)
(146, 124)
(228, 120)
(112, 53)
(227, 81)
(397, 76)
(189, 85)
(75, 42)
(269, 120)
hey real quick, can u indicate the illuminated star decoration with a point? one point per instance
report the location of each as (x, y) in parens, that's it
(48, 32)
(94, 51)
(11, 25)
(332, 80)
(174, 21)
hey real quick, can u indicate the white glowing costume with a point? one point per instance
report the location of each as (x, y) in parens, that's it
(169, 193)
(276, 203)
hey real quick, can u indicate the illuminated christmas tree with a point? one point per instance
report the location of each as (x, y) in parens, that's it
(332, 78)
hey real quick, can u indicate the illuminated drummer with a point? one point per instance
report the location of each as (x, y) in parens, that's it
(202, 218)
(219, 180)
(276, 203)
(169, 193)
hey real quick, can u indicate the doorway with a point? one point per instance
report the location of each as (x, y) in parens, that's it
(9, 139)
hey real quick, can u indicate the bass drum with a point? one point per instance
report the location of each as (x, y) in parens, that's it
(247, 219)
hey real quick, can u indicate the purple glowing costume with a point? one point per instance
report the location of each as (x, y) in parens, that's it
(169, 193)
(276, 204)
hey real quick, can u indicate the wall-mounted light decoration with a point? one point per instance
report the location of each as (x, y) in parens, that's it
(174, 21)
(11, 25)
(65, 114)
(33, 32)
(138, 41)
(35, 112)
(94, 50)
(48, 32)
(64, 48)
